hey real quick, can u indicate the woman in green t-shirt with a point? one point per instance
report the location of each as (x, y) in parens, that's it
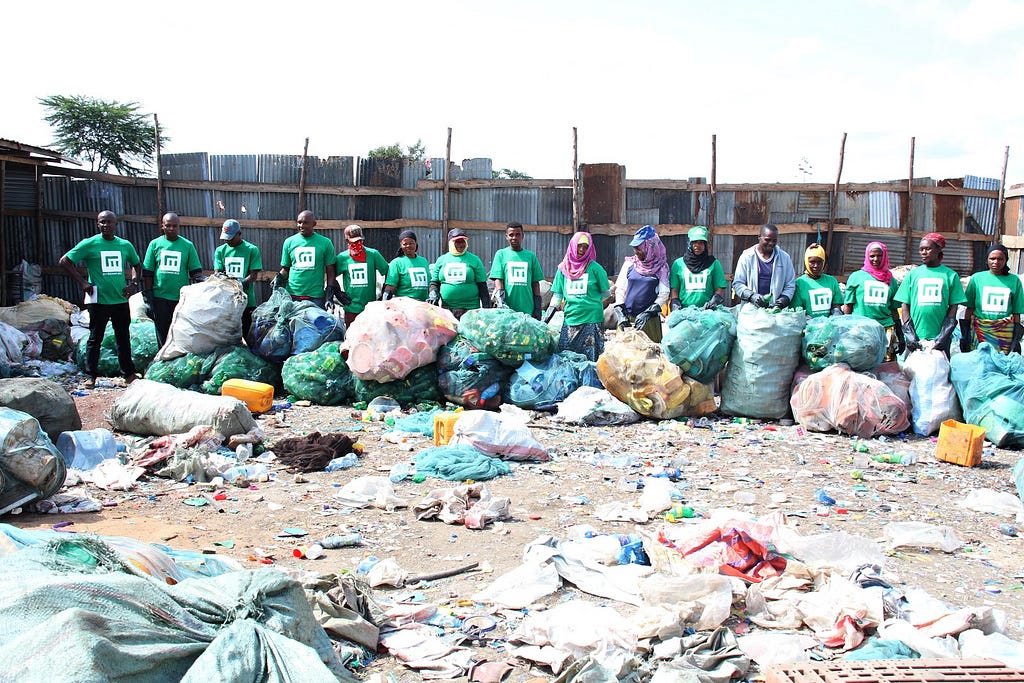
(995, 301)
(871, 292)
(408, 273)
(582, 284)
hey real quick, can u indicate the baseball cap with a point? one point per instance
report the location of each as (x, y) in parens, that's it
(698, 233)
(642, 235)
(354, 233)
(230, 228)
(456, 233)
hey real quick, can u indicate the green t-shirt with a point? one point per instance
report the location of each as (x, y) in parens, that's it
(459, 276)
(409, 276)
(517, 270)
(356, 280)
(306, 259)
(238, 262)
(584, 296)
(994, 297)
(171, 262)
(817, 297)
(696, 289)
(871, 298)
(930, 292)
(106, 261)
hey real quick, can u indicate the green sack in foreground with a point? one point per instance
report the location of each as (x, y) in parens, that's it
(144, 347)
(238, 362)
(320, 376)
(419, 386)
(507, 335)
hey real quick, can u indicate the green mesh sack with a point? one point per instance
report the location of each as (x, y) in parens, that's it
(856, 340)
(699, 341)
(509, 336)
(475, 383)
(184, 372)
(144, 347)
(320, 376)
(419, 386)
(238, 362)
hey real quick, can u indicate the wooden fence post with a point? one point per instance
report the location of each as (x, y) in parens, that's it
(1000, 204)
(835, 199)
(159, 172)
(910, 207)
(447, 180)
(302, 177)
(575, 183)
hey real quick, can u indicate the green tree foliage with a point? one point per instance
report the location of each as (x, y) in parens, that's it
(510, 174)
(111, 136)
(416, 152)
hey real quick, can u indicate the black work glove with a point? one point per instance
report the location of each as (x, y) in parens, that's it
(910, 336)
(498, 298)
(147, 296)
(714, 302)
(485, 297)
(1018, 334)
(945, 335)
(901, 342)
(965, 335)
(675, 304)
(761, 301)
(646, 314)
(548, 315)
(280, 281)
(536, 306)
(434, 293)
(621, 317)
(386, 294)
(781, 301)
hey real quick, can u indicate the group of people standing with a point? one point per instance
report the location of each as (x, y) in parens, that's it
(920, 312)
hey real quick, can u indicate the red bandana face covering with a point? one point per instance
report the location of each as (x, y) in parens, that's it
(357, 251)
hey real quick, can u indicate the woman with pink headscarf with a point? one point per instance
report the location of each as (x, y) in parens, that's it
(643, 285)
(871, 292)
(581, 284)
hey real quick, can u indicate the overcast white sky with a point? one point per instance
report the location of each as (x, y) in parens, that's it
(646, 83)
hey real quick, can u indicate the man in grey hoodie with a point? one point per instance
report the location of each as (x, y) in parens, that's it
(764, 273)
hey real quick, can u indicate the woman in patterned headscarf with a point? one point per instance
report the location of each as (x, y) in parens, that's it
(582, 285)
(995, 301)
(871, 292)
(643, 285)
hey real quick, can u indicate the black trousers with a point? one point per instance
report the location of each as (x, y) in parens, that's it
(119, 317)
(163, 312)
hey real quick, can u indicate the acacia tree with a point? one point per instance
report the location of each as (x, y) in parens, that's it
(416, 152)
(109, 135)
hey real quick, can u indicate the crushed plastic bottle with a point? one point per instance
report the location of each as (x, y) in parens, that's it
(342, 463)
(341, 541)
(632, 551)
(399, 471)
(822, 497)
(896, 458)
(366, 564)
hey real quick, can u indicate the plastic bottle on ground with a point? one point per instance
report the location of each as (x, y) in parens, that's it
(399, 471)
(342, 463)
(341, 541)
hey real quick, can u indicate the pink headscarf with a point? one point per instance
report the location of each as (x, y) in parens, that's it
(882, 274)
(654, 262)
(573, 266)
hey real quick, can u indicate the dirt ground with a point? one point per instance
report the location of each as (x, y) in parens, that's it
(715, 463)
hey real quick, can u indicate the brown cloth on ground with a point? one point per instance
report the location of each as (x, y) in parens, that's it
(312, 452)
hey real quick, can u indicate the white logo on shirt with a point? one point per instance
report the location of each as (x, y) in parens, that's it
(995, 300)
(234, 266)
(876, 294)
(304, 257)
(357, 275)
(695, 282)
(929, 290)
(517, 274)
(110, 263)
(577, 287)
(418, 278)
(455, 273)
(820, 299)
(170, 262)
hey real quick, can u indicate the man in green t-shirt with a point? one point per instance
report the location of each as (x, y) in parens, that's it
(240, 260)
(516, 274)
(307, 264)
(171, 262)
(929, 295)
(106, 257)
(358, 267)
(458, 278)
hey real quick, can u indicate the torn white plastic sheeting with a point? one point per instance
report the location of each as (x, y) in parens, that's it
(921, 535)
(777, 648)
(419, 647)
(993, 502)
(581, 628)
(370, 491)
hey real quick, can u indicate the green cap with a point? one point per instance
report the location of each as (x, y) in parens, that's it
(698, 233)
